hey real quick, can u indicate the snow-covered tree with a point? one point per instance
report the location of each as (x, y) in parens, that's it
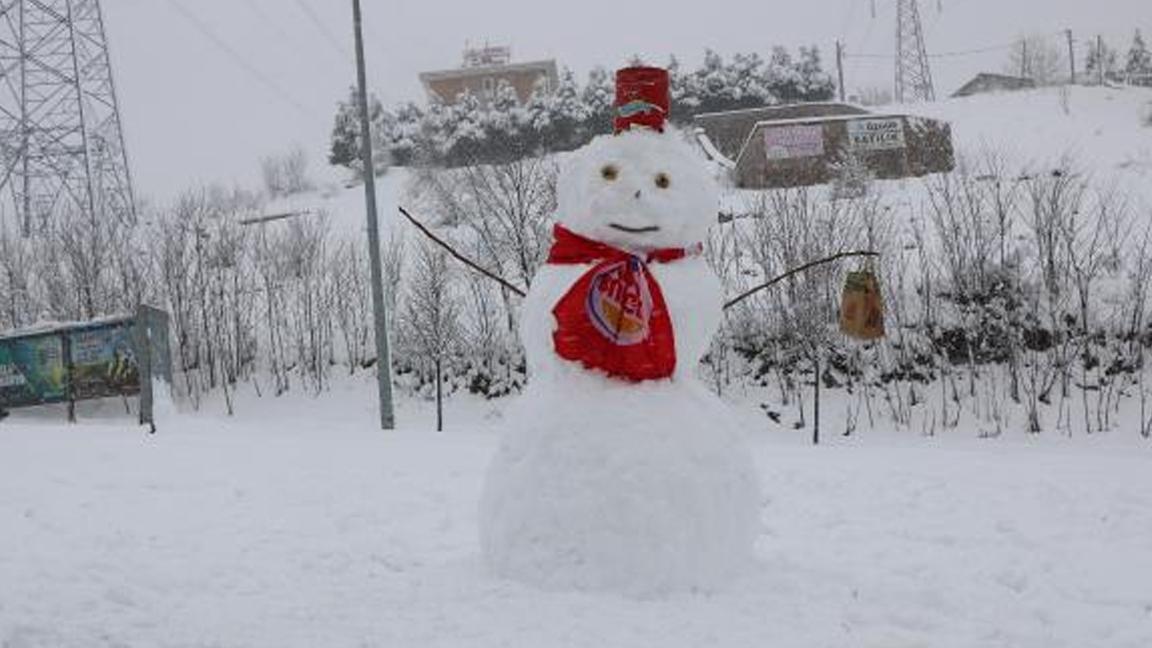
(464, 130)
(1138, 67)
(499, 128)
(1101, 61)
(1038, 58)
(406, 141)
(506, 124)
(598, 95)
(782, 75)
(345, 146)
(750, 85)
(815, 83)
(685, 102)
(714, 84)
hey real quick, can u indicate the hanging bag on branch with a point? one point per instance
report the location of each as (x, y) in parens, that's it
(862, 307)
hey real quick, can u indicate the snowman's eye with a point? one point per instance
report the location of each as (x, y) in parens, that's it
(609, 172)
(663, 181)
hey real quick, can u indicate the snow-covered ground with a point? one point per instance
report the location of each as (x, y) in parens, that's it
(1100, 129)
(299, 524)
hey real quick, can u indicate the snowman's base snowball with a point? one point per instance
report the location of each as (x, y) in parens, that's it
(641, 489)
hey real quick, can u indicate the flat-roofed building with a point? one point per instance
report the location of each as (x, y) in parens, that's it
(484, 70)
(801, 145)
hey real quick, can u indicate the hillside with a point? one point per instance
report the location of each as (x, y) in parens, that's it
(1101, 129)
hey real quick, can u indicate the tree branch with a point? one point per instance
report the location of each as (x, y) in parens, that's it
(460, 257)
(796, 271)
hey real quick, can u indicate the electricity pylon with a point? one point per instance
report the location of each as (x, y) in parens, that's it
(913, 77)
(61, 142)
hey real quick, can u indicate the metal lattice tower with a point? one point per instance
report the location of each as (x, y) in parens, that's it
(913, 77)
(61, 142)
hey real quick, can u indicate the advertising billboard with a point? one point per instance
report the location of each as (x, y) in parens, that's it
(103, 362)
(876, 134)
(790, 142)
(113, 357)
(32, 371)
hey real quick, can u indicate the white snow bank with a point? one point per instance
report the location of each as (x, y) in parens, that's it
(1099, 128)
(278, 531)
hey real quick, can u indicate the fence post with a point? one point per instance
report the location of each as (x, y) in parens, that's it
(142, 339)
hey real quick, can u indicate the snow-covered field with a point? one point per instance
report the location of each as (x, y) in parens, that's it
(299, 524)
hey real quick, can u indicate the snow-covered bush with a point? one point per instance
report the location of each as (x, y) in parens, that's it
(471, 131)
(286, 174)
(851, 177)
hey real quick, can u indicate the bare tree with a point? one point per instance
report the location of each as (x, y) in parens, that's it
(17, 269)
(1037, 57)
(286, 174)
(431, 324)
(507, 207)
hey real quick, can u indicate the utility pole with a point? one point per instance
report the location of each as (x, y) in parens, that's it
(1071, 56)
(840, 67)
(816, 400)
(383, 359)
(1024, 58)
(1099, 60)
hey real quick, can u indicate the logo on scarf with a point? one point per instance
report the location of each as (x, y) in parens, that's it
(620, 303)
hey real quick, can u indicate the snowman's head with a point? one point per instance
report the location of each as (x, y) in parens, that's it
(638, 190)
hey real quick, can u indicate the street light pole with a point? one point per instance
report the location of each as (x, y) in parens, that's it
(383, 359)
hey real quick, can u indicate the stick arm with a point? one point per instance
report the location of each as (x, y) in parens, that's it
(796, 271)
(460, 257)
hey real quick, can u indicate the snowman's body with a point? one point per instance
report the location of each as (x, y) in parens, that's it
(602, 483)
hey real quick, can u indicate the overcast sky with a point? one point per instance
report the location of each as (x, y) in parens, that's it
(207, 87)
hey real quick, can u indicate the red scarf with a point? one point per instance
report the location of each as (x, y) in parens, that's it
(614, 318)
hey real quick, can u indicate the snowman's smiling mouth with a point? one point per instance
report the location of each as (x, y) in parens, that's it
(635, 230)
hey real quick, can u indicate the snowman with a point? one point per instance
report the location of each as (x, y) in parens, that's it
(620, 470)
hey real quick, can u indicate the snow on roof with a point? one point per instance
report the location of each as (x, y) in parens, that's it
(488, 70)
(784, 107)
(48, 327)
(711, 151)
(827, 118)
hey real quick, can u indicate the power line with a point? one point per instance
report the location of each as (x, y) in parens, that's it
(871, 26)
(848, 16)
(383, 92)
(283, 34)
(969, 52)
(323, 29)
(239, 59)
(982, 50)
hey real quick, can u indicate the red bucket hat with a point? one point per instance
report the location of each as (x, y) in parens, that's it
(642, 98)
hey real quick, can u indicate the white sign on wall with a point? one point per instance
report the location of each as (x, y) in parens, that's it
(876, 134)
(788, 142)
(10, 376)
